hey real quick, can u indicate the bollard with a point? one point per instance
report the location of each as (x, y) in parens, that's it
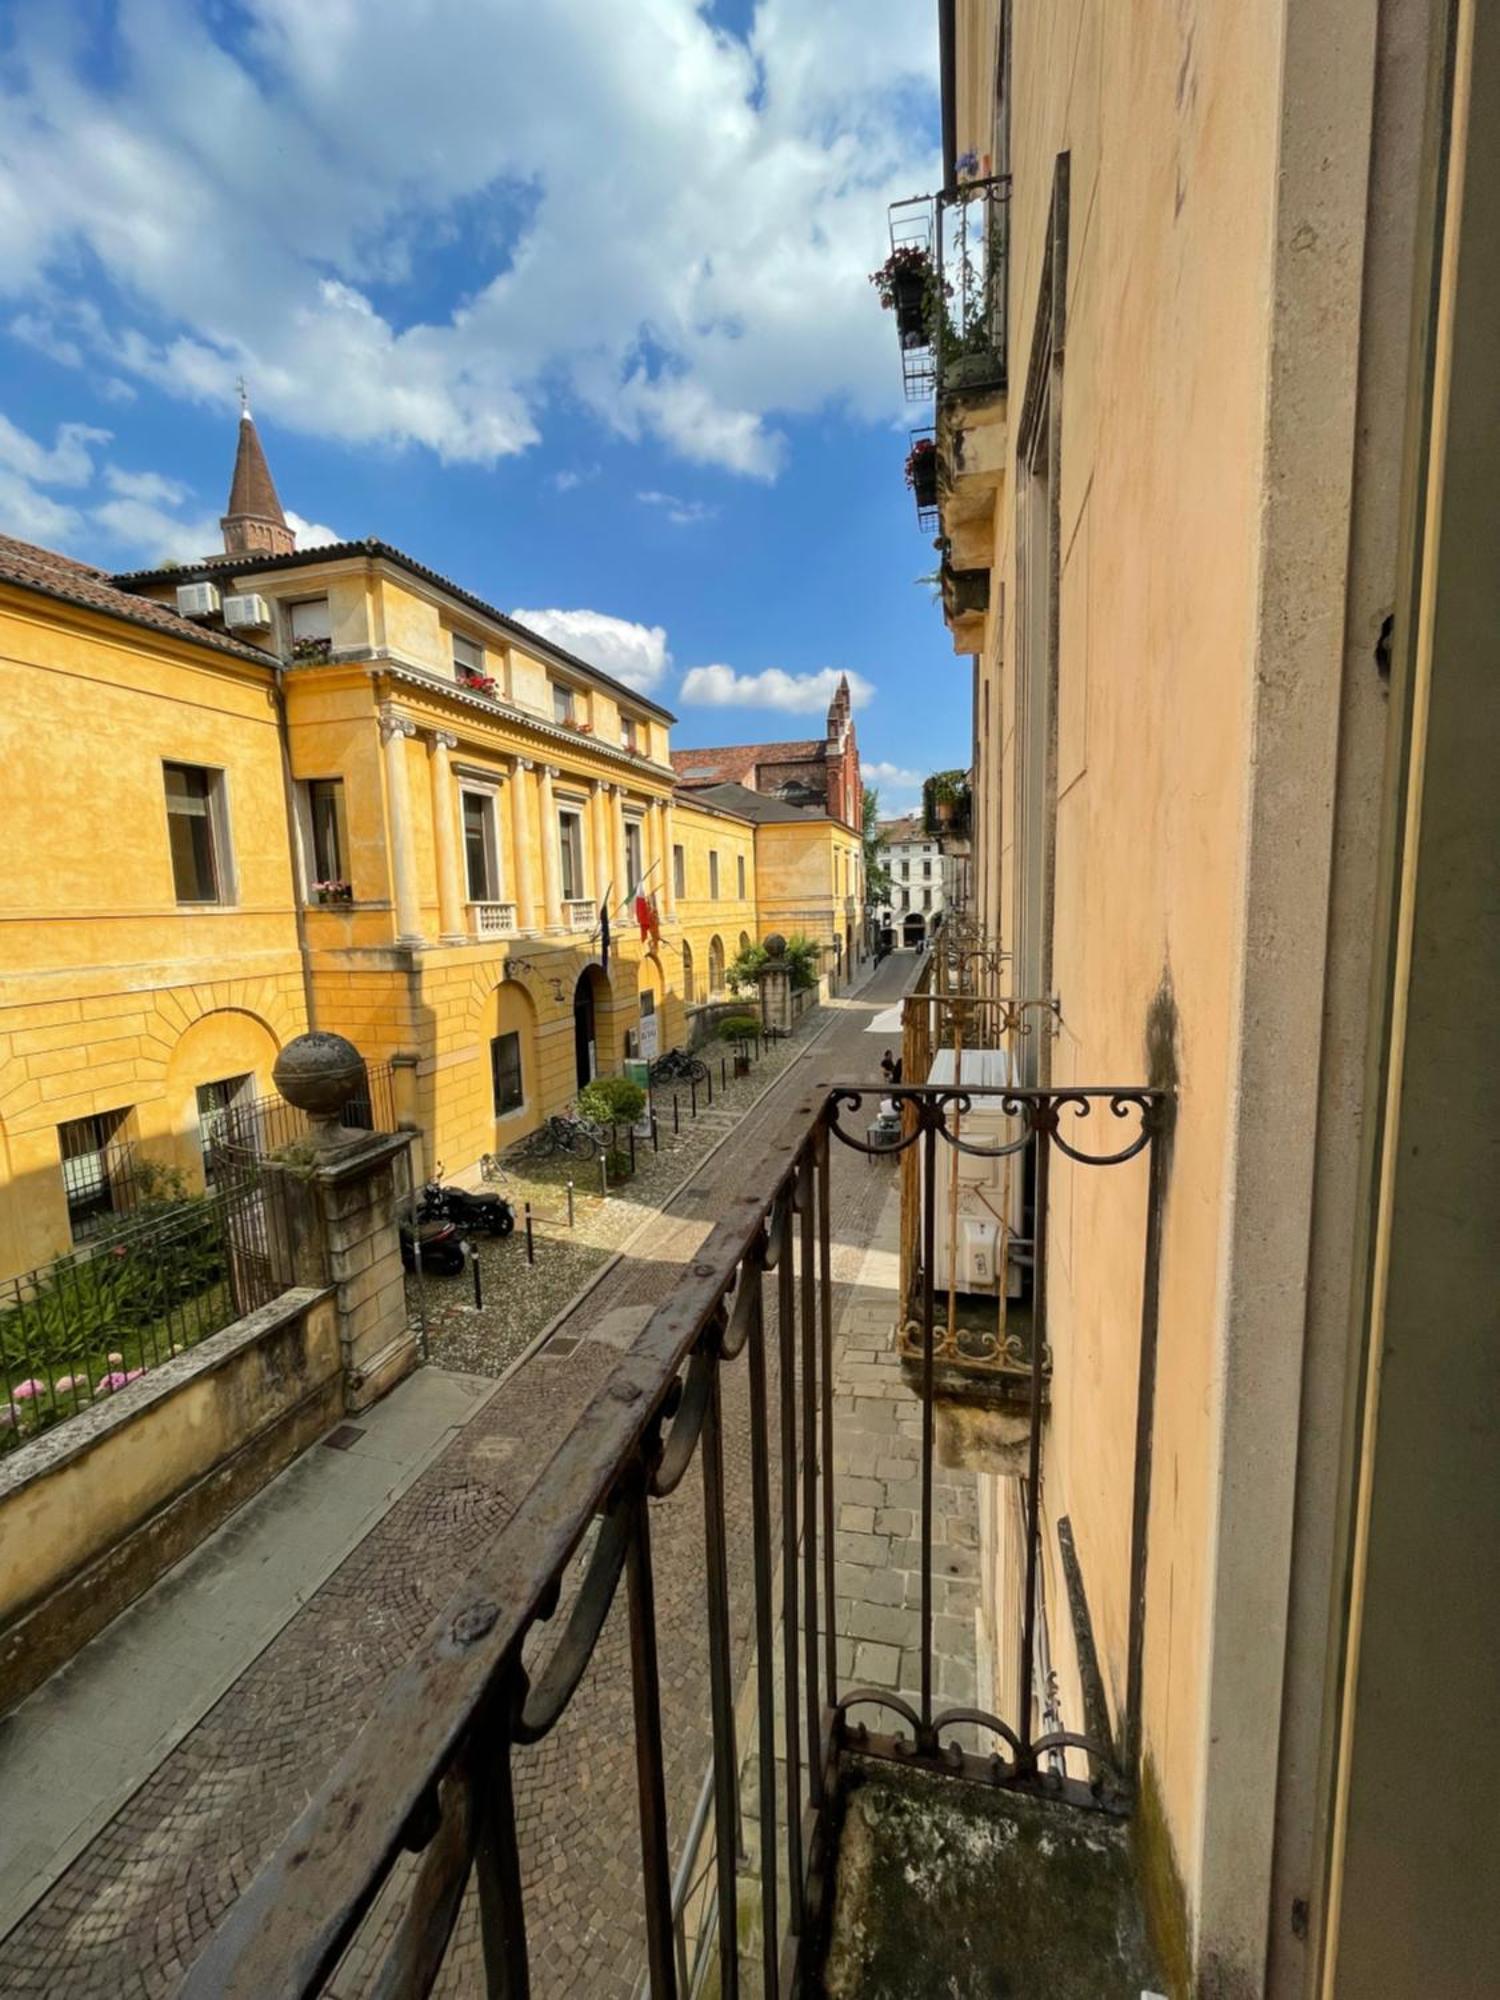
(570, 1204)
(654, 1146)
(530, 1239)
(676, 1128)
(723, 1073)
(632, 1149)
(708, 1078)
(693, 1087)
(473, 1250)
(603, 1177)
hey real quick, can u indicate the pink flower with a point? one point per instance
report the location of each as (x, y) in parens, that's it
(116, 1379)
(24, 1391)
(66, 1383)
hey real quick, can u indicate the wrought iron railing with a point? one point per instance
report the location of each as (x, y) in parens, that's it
(261, 1126)
(972, 243)
(76, 1332)
(425, 1798)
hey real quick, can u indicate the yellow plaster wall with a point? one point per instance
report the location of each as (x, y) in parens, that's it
(112, 996)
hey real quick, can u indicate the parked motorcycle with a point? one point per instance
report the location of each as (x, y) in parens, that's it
(467, 1210)
(439, 1245)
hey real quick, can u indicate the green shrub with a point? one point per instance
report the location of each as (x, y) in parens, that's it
(617, 1165)
(802, 957)
(738, 1027)
(611, 1101)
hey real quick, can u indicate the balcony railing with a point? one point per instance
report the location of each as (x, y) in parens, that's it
(492, 919)
(972, 258)
(579, 915)
(737, 1363)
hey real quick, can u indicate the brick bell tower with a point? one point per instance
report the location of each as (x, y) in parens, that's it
(841, 759)
(254, 524)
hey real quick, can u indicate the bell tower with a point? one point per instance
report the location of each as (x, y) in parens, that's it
(254, 524)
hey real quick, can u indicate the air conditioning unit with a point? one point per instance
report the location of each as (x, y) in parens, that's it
(975, 1194)
(248, 613)
(198, 600)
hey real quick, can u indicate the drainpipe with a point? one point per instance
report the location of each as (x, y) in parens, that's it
(294, 848)
(947, 85)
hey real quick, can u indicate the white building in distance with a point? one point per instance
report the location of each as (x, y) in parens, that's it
(919, 872)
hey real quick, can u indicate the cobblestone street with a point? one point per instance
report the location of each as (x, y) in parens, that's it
(134, 1909)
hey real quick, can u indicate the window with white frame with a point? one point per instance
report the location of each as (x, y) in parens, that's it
(570, 848)
(635, 866)
(739, 862)
(564, 703)
(679, 871)
(198, 834)
(326, 838)
(481, 846)
(468, 656)
(96, 1170)
(630, 733)
(713, 874)
(215, 1103)
(311, 627)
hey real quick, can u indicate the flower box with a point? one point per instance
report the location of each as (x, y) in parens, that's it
(903, 282)
(334, 892)
(476, 683)
(304, 650)
(922, 472)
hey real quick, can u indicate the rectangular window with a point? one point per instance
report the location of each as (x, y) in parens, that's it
(215, 1102)
(630, 733)
(195, 833)
(310, 620)
(95, 1171)
(927, 871)
(323, 799)
(739, 862)
(468, 658)
(570, 844)
(481, 847)
(679, 872)
(505, 1073)
(634, 865)
(564, 703)
(713, 875)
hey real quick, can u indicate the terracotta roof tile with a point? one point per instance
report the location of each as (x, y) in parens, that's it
(735, 763)
(59, 576)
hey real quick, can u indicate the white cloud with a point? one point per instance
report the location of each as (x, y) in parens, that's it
(684, 252)
(634, 654)
(895, 776)
(682, 513)
(798, 694)
(112, 513)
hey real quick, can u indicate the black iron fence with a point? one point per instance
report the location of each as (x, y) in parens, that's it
(425, 1798)
(259, 1127)
(972, 241)
(77, 1331)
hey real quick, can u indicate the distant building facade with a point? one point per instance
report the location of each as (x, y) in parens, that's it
(920, 875)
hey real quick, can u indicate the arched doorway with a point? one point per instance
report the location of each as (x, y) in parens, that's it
(688, 995)
(912, 928)
(591, 998)
(715, 967)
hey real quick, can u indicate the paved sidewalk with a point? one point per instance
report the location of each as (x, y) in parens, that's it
(134, 1908)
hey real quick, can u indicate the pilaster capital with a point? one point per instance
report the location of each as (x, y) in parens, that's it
(392, 725)
(526, 763)
(551, 770)
(444, 739)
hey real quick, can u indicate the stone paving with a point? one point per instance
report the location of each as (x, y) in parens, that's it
(135, 1908)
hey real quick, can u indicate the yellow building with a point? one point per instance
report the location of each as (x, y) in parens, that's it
(1201, 272)
(329, 788)
(150, 968)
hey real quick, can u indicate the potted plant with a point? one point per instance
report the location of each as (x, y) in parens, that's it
(613, 1101)
(304, 650)
(476, 682)
(922, 472)
(334, 892)
(741, 1029)
(903, 283)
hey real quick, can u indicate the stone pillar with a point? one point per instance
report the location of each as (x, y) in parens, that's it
(775, 978)
(394, 731)
(520, 840)
(550, 863)
(445, 840)
(604, 866)
(668, 863)
(343, 1215)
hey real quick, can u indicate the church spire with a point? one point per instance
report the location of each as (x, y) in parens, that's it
(254, 524)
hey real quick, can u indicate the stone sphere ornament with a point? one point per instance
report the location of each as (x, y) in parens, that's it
(775, 945)
(319, 1073)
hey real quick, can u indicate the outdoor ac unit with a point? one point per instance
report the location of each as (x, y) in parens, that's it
(249, 613)
(973, 1193)
(198, 600)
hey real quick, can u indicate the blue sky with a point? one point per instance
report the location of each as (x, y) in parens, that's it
(579, 318)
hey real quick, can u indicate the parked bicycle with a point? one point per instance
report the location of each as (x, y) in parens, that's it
(679, 1066)
(566, 1133)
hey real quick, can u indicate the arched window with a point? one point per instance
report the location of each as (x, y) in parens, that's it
(687, 972)
(715, 967)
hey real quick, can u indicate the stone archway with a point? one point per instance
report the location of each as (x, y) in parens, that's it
(913, 929)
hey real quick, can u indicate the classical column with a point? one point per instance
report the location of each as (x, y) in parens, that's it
(668, 864)
(627, 887)
(394, 730)
(450, 892)
(520, 840)
(550, 890)
(604, 866)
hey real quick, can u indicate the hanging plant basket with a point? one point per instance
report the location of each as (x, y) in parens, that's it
(922, 472)
(903, 282)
